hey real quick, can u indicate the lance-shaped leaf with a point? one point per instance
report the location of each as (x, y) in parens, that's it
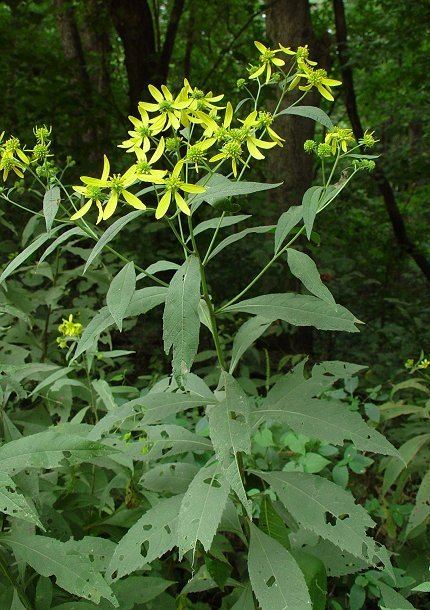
(120, 293)
(421, 511)
(229, 426)
(51, 203)
(298, 309)
(407, 452)
(214, 223)
(171, 440)
(287, 221)
(231, 239)
(47, 450)
(201, 509)
(219, 187)
(310, 204)
(276, 579)
(14, 504)
(249, 332)
(60, 240)
(73, 572)
(151, 536)
(310, 112)
(174, 478)
(246, 600)
(329, 511)
(181, 322)
(304, 268)
(393, 600)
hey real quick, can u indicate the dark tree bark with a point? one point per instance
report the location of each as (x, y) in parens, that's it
(383, 184)
(289, 23)
(95, 34)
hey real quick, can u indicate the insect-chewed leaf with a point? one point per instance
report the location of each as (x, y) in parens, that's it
(337, 561)
(120, 293)
(181, 322)
(73, 572)
(14, 504)
(51, 203)
(310, 112)
(421, 511)
(287, 221)
(151, 536)
(173, 478)
(47, 450)
(201, 509)
(276, 579)
(171, 440)
(304, 268)
(329, 511)
(229, 426)
(249, 332)
(298, 309)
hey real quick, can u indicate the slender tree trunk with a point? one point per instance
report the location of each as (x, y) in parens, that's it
(384, 186)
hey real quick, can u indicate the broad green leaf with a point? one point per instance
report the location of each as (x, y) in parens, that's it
(48, 449)
(25, 254)
(60, 240)
(229, 429)
(276, 579)
(421, 511)
(310, 112)
(213, 223)
(249, 332)
(181, 322)
(14, 504)
(168, 440)
(145, 299)
(174, 478)
(231, 239)
(272, 524)
(329, 511)
(151, 536)
(392, 599)
(157, 267)
(287, 221)
(337, 561)
(109, 234)
(245, 601)
(120, 293)
(299, 310)
(9, 310)
(219, 187)
(59, 374)
(51, 203)
(155, 407)
(408, 452)
(50, 557)
(310, 205)
(304, 268)
(422, 588)
(201, 509)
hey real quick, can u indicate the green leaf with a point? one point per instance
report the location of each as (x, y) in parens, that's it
(50, 557)
(287, 221)
(151, 536)
(298, 309)
(157, 267)
(25, 254)
(421, 511)
(60, 240)
(249, 332)
(231, 239)
(397, 465)
(14, 504)
(304, 268)
(59, 374)
(315, 577)
(120, 293)
(174, 478)
(245, 601)
(219, 187)
(213, 223)
(229, 429)
(422, 588)
(201, 510)
(51, 203)
(181, 322)
(168, 440)
(109, 234)
(310, 205)
(310, 112)
(329, 511)
(392, 599)
(48, 449)
(276, 579)
(272, 524)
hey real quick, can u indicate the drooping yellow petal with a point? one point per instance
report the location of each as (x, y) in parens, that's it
(182, 204)
(331, 82)
(228, 115)
(106, 168)
(192, 188)
(177, 169)
(110, 206)
(258, 72)
(100, 215)
(325, 93)
(163, 206)
(278, 62)
(262, 143)
(156, 94)
(84, 209)
(158, 151)
(253, 150)
(260, 46)
(133, 200)
(148, 106)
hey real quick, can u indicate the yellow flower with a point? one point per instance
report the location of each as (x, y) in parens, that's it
(143, 169)
(315, 78)
(247, 134)
(423, 364)
(142, 132)
(173, 183)
(265, 120)
(301, 55)
(231, 150)
(68, 328)
(339, 137)
(93, 192)
(197, 152)
(200, 100)
(118, 186)
(169, 108)
(8, 161)
(267, 60)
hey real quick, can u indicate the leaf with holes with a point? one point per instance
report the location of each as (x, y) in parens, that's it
(276, 579)
(120, 293)
(168, 440)
(14, 504)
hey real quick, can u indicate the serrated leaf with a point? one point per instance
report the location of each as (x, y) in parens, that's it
(304, 268)
(276, 579)
(151, 536)
(51, 203)
(219, 187)
(47, 450)
(50, 557)
(249, 332)
(421, 511)
(201, 509)
(14, 504)
(287, 221)
(174, 478)
(329, 511)
(337, 562)
(299, 310)
(181, 322)
(168, 440)
(229, 428)
(120, 293)
(231, 239)
(310, 112)
(310, 205)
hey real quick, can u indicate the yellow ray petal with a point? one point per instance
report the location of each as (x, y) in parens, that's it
(156, 94)
(163, 206)
(182, 205)
(133, 200)
(84, 209)
(110, 206)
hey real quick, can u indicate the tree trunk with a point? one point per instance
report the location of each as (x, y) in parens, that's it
(384, 186)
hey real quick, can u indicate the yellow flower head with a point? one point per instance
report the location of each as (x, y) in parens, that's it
(301, 54)
(68, 328)
(142, 132)
(267, 60)
(143, 169)
(198, 100)
(315, 78)
(173, 183)
(339, 137)
(12, 158)
(169, 109)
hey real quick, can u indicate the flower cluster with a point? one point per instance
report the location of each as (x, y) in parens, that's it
(421, 364)
(69, 331)
(16, 159)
